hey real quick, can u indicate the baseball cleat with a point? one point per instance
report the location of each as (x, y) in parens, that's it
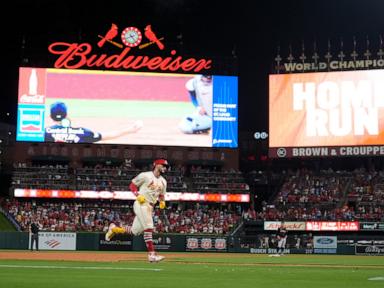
(153, 258)
(203, 131)
(110, 233)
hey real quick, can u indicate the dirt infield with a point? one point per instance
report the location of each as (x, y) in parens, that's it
(70, 256)
(161, 131)
(92, 256)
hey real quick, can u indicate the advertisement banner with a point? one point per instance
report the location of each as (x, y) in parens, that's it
(371, 226)
(369, 249)
(169, 242)
(200, 243)
(290, 225)
(332, 226)
(56, 241)
(324, 251)
(120, 242)
(55, 105)
(325, 242)
(162, 242)
(334, 151)
(127, 195)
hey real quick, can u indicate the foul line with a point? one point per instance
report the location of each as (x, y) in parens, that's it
(270, 264)
(79, 267)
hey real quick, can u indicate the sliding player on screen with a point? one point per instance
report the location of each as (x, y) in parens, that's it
(62, 131)
(200, 89)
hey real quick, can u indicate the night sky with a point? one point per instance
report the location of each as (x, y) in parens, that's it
(245, 33)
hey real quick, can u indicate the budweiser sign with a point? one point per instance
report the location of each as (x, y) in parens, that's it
(82, 55)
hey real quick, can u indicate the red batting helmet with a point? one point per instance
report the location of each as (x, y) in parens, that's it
(163, 162)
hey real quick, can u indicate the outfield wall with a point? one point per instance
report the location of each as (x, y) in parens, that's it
(329, 243)
(313, 237)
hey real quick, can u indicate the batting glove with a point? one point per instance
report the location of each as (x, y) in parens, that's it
(162, 204)
(140, 198)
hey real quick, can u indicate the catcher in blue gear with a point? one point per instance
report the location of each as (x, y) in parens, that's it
(62, 131)
(58, 111)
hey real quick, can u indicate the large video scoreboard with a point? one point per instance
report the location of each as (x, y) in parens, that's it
(326, 114)
(114, 107)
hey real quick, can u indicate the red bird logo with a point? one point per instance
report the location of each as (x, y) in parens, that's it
(109, 36)
(152, 37)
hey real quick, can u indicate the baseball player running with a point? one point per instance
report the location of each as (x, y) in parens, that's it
(200, 89)
(149, 188)
(281, 238)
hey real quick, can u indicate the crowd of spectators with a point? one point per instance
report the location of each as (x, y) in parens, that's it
(303, 194)
(365, 198)
(326, 195)
(80, 215)
(58, 177)
(117, 178)
(209, 180)
(95, 216)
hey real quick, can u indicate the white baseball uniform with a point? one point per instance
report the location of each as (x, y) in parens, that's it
(151, 187)
(281, 237)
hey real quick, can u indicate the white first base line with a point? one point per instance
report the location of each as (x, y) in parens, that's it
(79, 267)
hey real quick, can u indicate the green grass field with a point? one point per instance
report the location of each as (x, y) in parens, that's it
(227, 270)
(5, 225)
(117, 108)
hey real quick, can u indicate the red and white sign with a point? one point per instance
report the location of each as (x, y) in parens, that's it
(127, 195)
(32, 86)
(83, 55)
(56, 241)
(332, 226)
